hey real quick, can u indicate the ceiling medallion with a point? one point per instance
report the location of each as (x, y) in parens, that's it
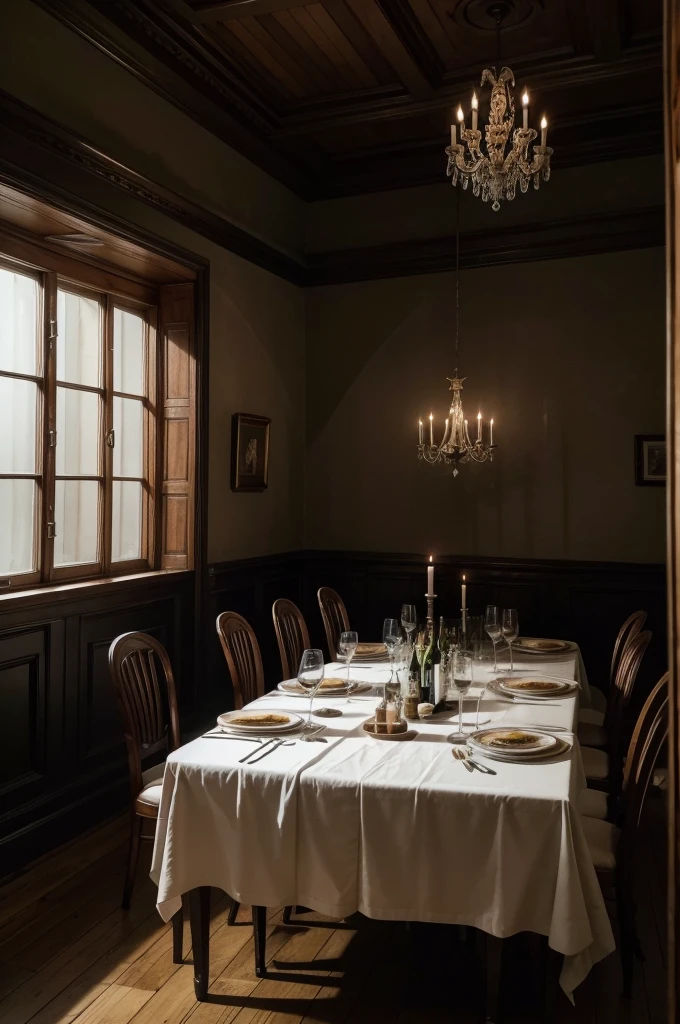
(496, 173)
(456, 445)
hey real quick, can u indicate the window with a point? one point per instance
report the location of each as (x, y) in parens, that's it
(84, 487)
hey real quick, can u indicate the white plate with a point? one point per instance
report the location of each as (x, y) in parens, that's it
(227, 721)
(293, 689)
(494, 686)
(544, 742)
(511, 686)
(533, 645)
(562, 747)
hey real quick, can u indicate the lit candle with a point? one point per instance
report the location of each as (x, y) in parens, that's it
(430, 579)
(431, 441)
(475, 106)
(453, 134)
(420, 431)
(479, 426)
(544, 131)
(525, 109)
(446, 427)
(491, 432)
(463, 596)
(461, 120)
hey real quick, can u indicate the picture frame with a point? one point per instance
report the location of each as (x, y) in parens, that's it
(650, 460)
(249, 452)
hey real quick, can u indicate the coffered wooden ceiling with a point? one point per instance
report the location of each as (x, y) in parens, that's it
(335, 97)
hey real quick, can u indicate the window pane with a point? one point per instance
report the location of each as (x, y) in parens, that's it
(77, 433)
(128, 425)
(126, 531)
(76, 516)
(128, 352)
(19, 304)
(79, 339)
(19, 502)
(18, 420)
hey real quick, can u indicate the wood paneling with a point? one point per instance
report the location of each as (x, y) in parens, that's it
(325, 94)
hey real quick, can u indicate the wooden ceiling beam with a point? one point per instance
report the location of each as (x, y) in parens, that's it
(230, 10)
(604, 20)
(396, 50)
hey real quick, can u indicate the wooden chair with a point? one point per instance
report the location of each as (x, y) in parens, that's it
(603, 768)
(292, 635)
(244, 660)
(145, 692)
(629, 630)
(334, 616)
(593, 725)
(613, 849)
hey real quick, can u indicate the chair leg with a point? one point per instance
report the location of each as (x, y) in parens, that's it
(199, 918)
(233, 911)
(135, 833)
(260, 937)
(177, 936)
(494, 953)
(627, 940)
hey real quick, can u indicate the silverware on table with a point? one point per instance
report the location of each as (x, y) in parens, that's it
(230, 736)
(483, 768)
(460, 755)
(262, 753)
(263, 746)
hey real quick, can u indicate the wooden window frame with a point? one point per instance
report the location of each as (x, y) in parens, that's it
(112, 292)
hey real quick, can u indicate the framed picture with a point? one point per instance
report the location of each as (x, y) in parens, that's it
(249, 452)
(650, 460)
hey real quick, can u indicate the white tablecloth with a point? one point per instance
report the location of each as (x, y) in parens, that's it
(397, 830)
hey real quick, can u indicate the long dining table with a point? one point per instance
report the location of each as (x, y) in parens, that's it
(396, 830)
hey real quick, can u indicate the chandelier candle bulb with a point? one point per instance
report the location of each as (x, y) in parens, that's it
(479, 426)
(431, 441)
(461, 120)
(525, 109)
(491, 433)
(420, 431)
(453, 134)
(430, 579)
(475, 107)
(544, 131)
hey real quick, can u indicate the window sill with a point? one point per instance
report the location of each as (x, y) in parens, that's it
(35, 596)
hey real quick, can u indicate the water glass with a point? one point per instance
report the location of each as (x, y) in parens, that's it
(510, 630)
(462, 681)
(391, 639)
(409, 619)
(310, 677)
(347, 646)
(492, 625)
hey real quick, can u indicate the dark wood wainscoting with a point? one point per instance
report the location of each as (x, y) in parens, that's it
(63, 764)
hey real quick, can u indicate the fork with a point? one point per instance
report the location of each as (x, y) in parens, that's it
(461, 755)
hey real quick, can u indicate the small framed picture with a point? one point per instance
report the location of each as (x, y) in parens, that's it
(650, 460)
(249, 452)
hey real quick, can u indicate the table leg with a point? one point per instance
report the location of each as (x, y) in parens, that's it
(494, 952)
(260, 937)
(199, 915)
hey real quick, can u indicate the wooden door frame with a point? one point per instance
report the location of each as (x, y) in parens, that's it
(672, 151)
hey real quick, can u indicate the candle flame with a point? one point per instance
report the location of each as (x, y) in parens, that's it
(475, 102)
(479, 415)
(525, 99)
(420, 423)
(463, 577)
(459, 113)
(492, 421)
(430, 415)
(544, 123)
(430, 558)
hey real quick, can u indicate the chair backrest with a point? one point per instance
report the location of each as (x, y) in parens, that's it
(334, 616)
(145, 691)
(649, 736)
(244, 660)
(626, 676)
(292, 635)
(629, 630)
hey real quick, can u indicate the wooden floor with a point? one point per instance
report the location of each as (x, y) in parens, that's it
(70, 955)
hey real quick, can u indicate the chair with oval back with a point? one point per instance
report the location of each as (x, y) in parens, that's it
(242, 653)
(604, 768)
(599, 700)
(614, 849)
(292, 635)
(145, 692)
(334, 616)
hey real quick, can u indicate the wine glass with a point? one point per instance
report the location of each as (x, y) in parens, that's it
(310, 677)
(510, 630)
(409, 619)
(391, 637)
(462, 680)
(347, 646)
(492, 626)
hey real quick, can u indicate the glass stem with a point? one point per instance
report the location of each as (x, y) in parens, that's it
(495, 662)
(460, 712)
(512, 660)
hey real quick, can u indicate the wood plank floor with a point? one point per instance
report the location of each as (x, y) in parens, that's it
(70, 955)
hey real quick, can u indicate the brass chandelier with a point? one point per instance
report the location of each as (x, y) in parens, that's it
(456, 446)
(496, 173)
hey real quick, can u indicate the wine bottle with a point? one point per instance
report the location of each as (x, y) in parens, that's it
(424, 649)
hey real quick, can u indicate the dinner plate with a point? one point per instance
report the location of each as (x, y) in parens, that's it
(494, 686)
(237, 721)
(540, 645)
(562, 747)
(293, 688)
(489, 741)
(541, 686)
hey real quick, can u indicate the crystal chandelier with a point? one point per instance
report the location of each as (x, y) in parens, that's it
(456, 446)
(496, 174)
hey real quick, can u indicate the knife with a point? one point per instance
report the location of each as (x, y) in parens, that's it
(261, 753)
(257, 750)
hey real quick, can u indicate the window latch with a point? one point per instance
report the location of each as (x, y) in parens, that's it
(52, 439)
(111, 438)
(52, 333)
(51, 529)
